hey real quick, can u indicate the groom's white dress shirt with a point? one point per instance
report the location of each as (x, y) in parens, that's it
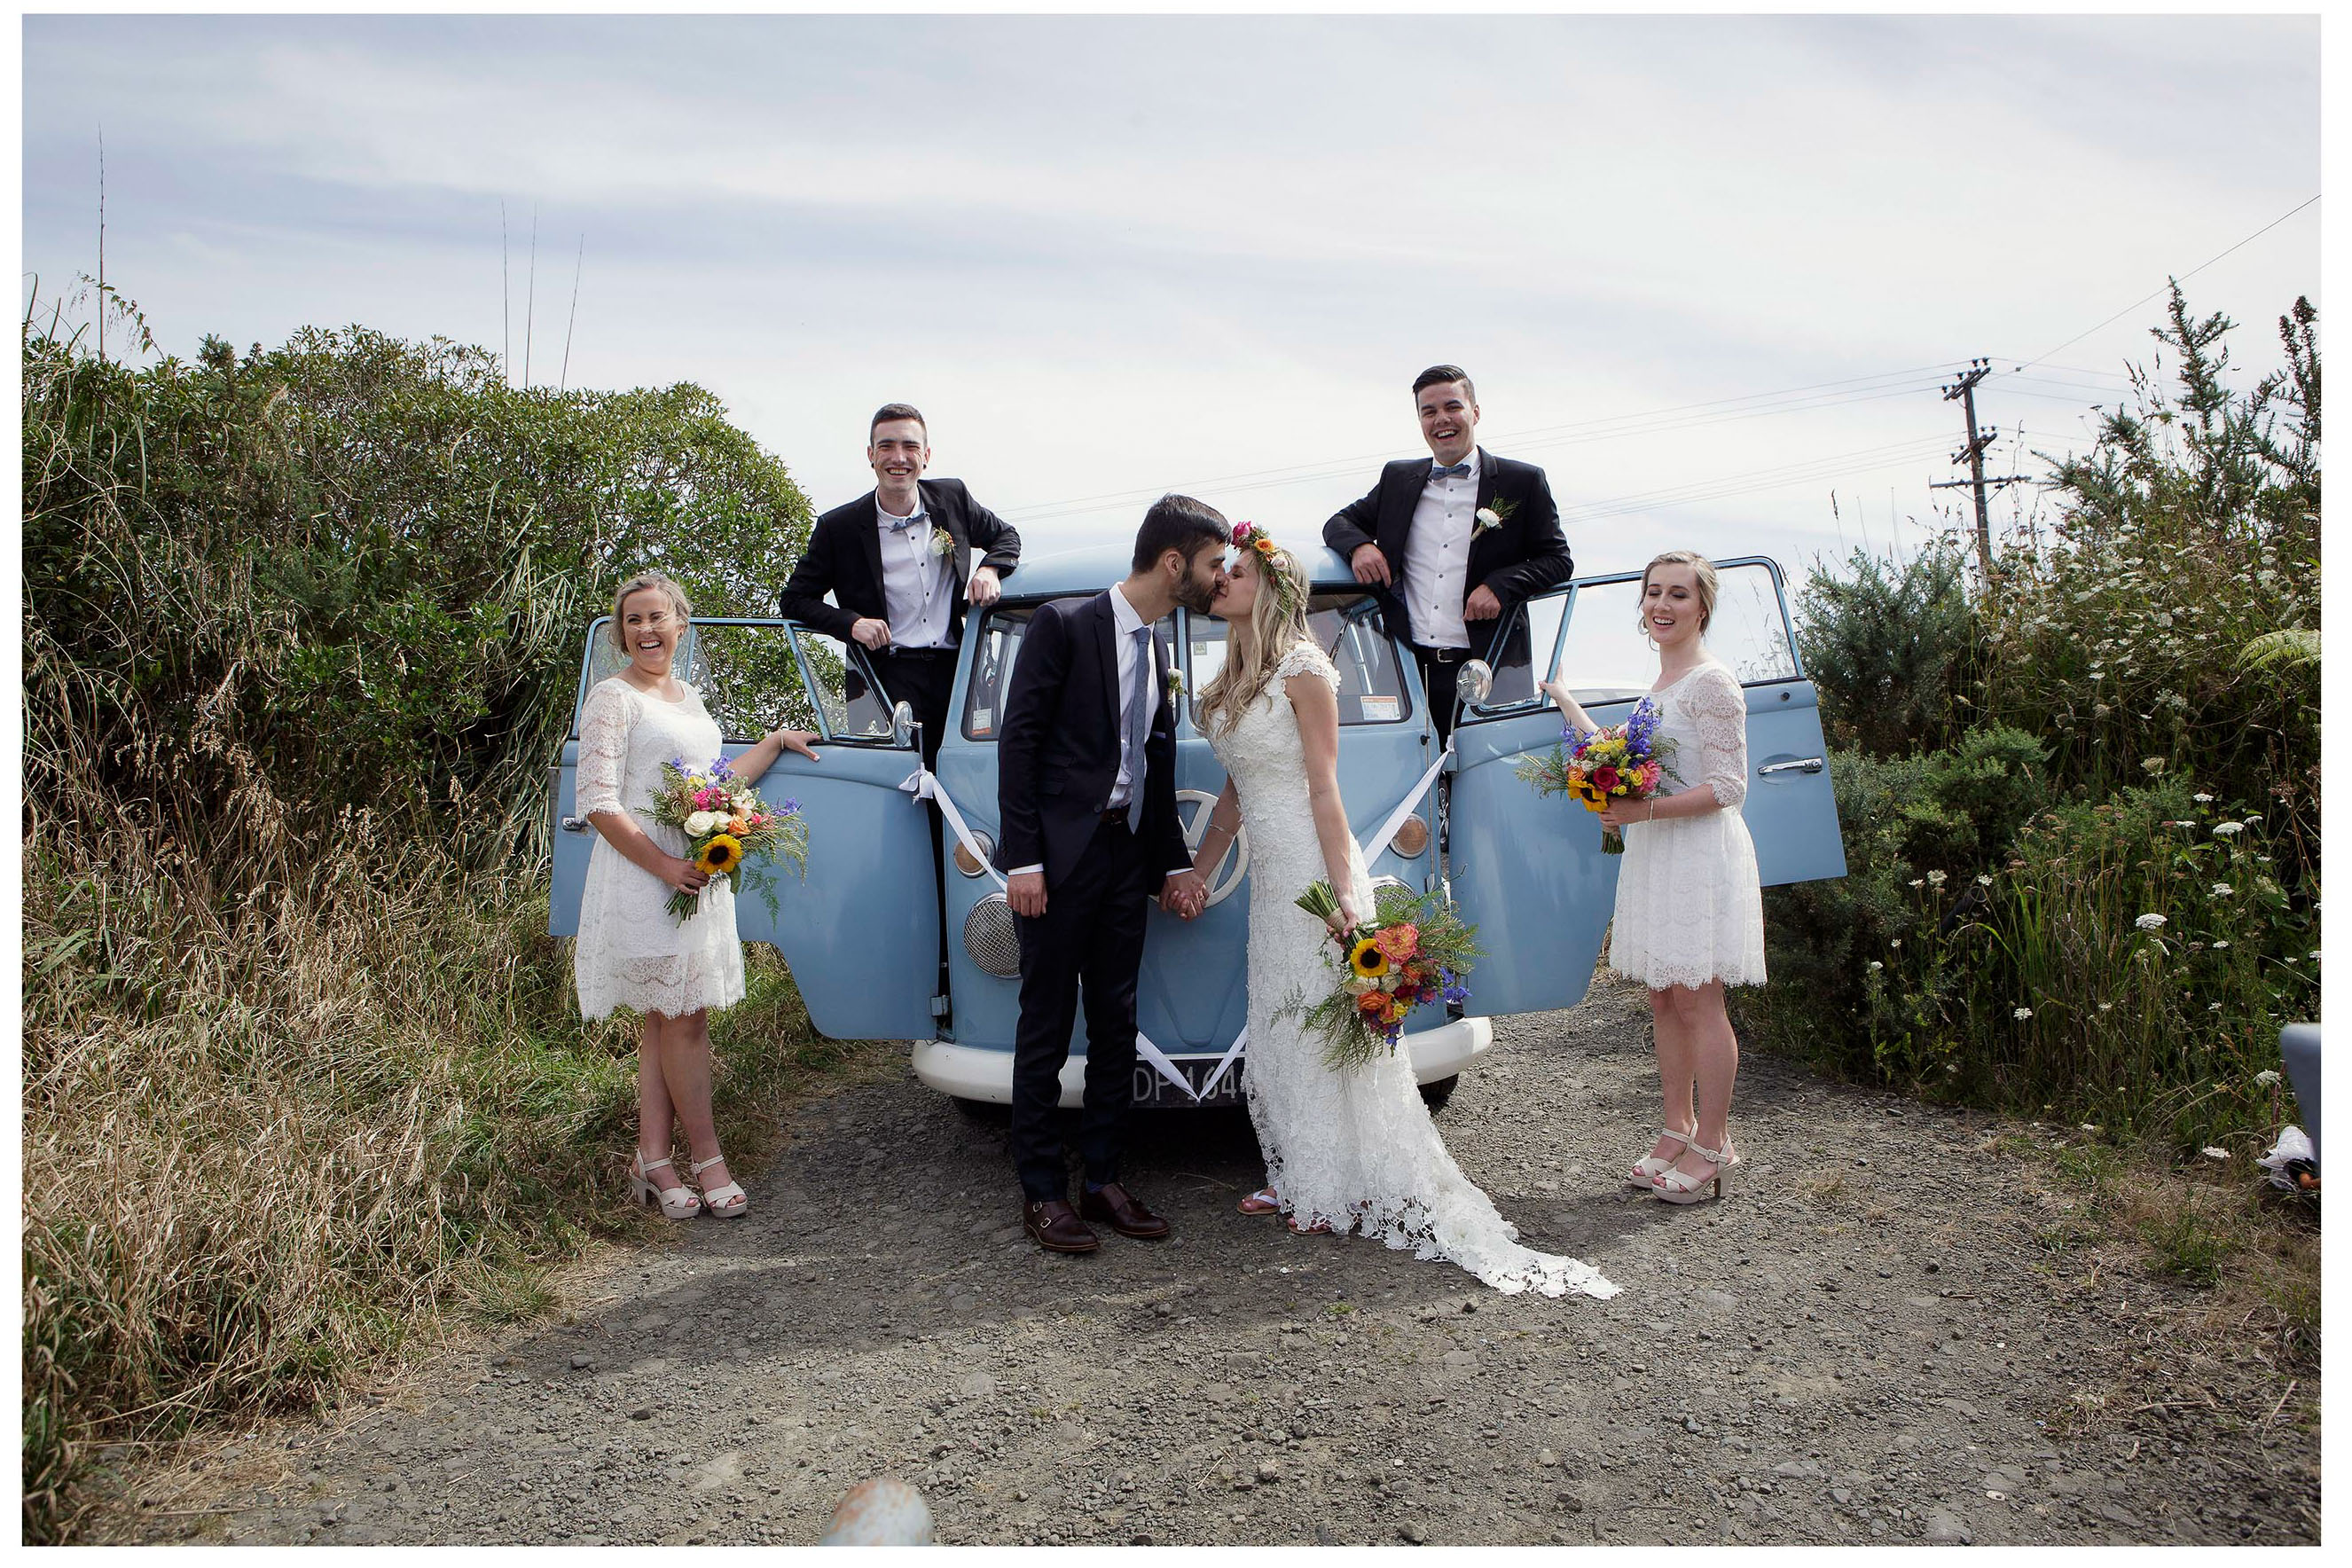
(1437, 556)
(915, 584)
(1125, 623)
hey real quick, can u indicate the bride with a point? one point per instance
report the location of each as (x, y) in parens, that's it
(1346, 1150)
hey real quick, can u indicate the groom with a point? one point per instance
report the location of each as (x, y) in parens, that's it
(1087, 799)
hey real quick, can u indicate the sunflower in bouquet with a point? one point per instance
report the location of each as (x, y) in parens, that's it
(727, 826)
(1413, 950)
(1619, 761)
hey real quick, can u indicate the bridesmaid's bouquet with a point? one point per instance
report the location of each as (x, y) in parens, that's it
(1621, 762)
(726, 824)
(1413, 950)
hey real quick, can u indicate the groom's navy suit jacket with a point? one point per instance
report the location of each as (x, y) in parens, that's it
(1058, 751)
(1524, 555)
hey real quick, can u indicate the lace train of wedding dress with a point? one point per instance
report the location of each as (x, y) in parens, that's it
(1354, 1149)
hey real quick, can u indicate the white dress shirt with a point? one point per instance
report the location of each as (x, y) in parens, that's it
(1437, 556)
(916, 587)
(1125, 623)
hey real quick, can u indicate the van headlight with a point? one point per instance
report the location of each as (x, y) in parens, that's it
(966, 864)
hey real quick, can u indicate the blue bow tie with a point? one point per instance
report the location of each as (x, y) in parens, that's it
(1436, 472)
(901, 524)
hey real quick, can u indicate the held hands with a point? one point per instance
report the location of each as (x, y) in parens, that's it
(1371, 567)
(871, 633)
(1482, 604)
(1184, 895)
(986, 588)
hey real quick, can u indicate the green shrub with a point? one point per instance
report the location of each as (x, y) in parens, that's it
(1887, 646)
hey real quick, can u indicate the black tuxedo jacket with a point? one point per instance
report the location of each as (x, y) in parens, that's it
(1057, 752)
(1522, 556)
(845, 557)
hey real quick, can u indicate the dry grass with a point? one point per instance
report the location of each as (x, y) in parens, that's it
(274, 1140)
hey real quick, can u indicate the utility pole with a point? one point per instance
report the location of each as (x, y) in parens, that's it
(1978, 438)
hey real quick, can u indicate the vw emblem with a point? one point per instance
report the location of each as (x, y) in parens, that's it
(1227, 874)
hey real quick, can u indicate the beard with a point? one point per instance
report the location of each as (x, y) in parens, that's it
(1196, 593)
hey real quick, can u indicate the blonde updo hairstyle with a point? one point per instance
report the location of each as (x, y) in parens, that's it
(638, 583)
(1276, 621)
(1701, 568)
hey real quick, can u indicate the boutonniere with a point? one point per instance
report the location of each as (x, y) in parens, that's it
(1492, 516)
(1175, 685)
(942, 542)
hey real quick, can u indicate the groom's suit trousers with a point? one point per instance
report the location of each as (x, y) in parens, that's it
(1090, 940)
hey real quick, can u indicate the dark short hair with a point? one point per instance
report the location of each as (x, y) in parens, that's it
(890, 411)
(1183, 524)
(1437, 374)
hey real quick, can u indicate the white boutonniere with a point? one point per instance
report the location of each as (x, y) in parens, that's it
(1175, 685)
(1488, 516)
(942, 542)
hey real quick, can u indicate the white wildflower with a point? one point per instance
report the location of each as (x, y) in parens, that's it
(1918, 882)
(2149, 923)
(1935, 879)
(2267, 1077)
(1875, 964)
(2107, 1006)
(2211, 1152)
(2024, 1013)
(2201, 798)
(1984, 878)
(2228, 829)
(2222, 890)
(2220, 946)
(2090, 1127)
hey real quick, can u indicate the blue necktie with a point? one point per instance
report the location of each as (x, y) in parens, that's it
(901, 524)
(1138, 725)
(1435, 472)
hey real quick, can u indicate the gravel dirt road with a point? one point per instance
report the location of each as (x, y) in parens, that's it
(1884, 1336)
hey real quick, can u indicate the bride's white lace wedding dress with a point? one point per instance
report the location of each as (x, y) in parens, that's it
(1355, 1148)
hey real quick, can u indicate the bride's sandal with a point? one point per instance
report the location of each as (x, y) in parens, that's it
(1649, 1167)
(1320, 1227)
(725, 1202)
(1262, 1201)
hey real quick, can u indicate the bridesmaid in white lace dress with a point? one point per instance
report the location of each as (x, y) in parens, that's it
(1347, 1150)
(630, 952)
(1690, 911)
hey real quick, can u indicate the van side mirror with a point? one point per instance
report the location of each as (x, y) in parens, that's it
(902, 724)
(1474, 681)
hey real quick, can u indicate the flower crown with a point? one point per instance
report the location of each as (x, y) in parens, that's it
(1250, 536)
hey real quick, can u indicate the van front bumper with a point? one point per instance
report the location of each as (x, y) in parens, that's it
(970, 1072)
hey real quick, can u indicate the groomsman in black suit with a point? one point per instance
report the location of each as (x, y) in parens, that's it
(899, 563)
(898, 592)
(1452, 543)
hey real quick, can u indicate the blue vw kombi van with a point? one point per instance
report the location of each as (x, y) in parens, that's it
(861, 933)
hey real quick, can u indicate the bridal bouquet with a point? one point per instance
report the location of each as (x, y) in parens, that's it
(726, 824)
(1413, 950)
(1621, 762)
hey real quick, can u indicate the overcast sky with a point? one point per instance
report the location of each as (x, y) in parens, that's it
(1112, 256)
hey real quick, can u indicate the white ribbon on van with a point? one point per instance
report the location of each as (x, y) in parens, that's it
(923, 784)
(1380, 841)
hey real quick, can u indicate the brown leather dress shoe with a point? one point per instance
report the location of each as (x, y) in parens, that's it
(1055, 1226)
(1123, 1212)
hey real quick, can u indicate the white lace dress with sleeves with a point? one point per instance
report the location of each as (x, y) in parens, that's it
(630, 952)
(1356, 1149)
(1689, 905)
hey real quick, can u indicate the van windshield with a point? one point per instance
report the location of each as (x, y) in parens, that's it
(1348, 626)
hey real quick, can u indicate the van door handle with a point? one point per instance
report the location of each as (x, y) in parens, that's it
(572, 823)
(1803, 765)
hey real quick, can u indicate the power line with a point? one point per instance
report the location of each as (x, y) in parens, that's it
(2193, 272)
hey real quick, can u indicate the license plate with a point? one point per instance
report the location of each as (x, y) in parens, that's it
(1154, 1092)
